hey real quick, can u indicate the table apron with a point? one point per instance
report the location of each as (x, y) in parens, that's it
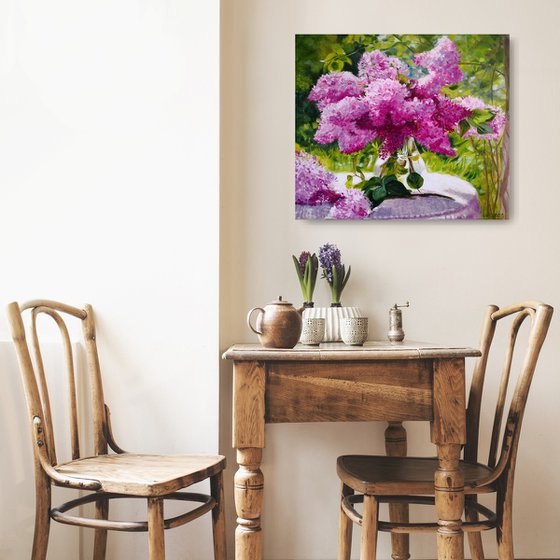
(393, 390)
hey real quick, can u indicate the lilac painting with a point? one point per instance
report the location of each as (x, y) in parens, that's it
(402, 127)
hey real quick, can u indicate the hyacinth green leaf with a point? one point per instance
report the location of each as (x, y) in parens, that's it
(298, 270)
(339, 50)
(335, 294)
(314, 268)
(415, 180)
(349, 183)
(345, 281)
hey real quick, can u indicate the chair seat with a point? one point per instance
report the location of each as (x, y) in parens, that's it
(144, 475)
(381, 475)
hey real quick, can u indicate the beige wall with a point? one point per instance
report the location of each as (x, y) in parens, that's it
(448, 271)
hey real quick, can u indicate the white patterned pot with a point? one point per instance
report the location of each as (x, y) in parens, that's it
(332, 316)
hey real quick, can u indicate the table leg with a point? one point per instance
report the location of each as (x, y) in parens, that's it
(248, 494)
(395, 446)
(450, 501)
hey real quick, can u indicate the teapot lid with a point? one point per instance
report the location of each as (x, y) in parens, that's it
(279, 301)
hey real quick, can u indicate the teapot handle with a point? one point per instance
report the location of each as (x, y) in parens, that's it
(249, 319)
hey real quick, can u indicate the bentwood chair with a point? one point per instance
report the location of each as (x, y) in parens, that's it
(108, 476)
(378, 479)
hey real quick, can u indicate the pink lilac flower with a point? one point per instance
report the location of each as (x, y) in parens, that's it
(333, 87)
(376, 104)
(353, 205)
(348, 122)
(442, 63)
(375, 65)
(314, 184)
(497, 123)
(394, 114)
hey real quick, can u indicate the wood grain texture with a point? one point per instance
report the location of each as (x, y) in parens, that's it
(407, 479)
(249, 494)
(218, 517)
(348, 391)
(248, 404)
(449, 423)
(344, 527)
(396, 446)
(156, 535)
(156, 477)
(338, 351)
(142, 474)
(368, 542)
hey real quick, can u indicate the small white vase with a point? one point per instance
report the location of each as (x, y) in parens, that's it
(333, 317)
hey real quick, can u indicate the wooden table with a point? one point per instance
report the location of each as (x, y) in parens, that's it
(335, 382)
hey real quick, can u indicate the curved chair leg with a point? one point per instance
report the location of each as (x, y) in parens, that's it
(100, 541)
(42, 518)
(156, 538)
(344, 528)
(218, 517)
(369, 528)
(475, 538)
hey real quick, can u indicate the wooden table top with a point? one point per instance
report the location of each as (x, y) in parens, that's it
(338, 351)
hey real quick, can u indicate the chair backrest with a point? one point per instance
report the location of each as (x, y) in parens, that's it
(35, 379)
(539, 315)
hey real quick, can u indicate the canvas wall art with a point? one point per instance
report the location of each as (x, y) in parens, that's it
(402, 127)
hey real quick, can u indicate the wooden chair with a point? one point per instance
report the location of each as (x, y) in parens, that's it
(121, 475)
(410, 480)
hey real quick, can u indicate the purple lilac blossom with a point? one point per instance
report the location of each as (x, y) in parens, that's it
(329, 256)
(353, 205)
(335, 86)
(394, 111)
(442, 63)
(375, 65)
(347, 121)
(314, 184)
(497, 123)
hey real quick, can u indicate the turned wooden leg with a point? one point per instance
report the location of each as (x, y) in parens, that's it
(344, 528)
(248, 484)
(42, 517)
(475, 538)
(156, 539)
(368, 546)
(395, 446)
(218, 517)
(450, 502)
(100, 541)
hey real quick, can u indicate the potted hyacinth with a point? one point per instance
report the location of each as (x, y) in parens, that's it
(333, 271)
(307, 267)
(336, 275)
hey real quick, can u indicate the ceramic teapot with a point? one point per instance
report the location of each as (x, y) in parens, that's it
(278, 324)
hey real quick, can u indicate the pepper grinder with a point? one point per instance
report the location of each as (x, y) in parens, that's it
(396, 333)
